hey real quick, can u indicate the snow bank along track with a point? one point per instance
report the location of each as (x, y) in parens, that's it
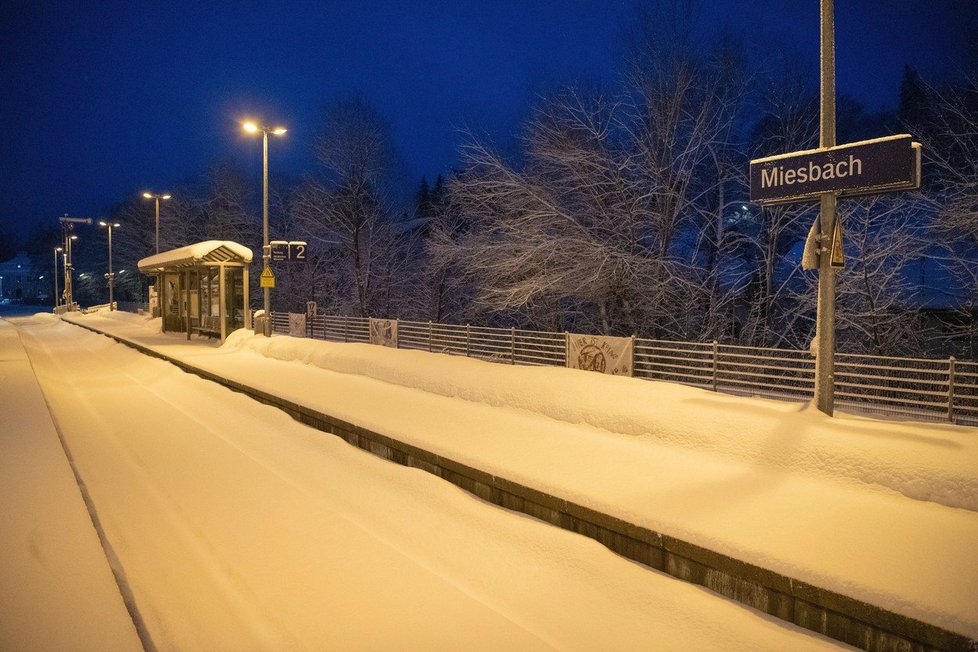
(827, 612)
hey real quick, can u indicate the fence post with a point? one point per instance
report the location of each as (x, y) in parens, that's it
(512, 345)
(566, 349)
(468, 340)
(715, 355)
(429, 337)
(631, 370)
(346, 328)
(950, 388)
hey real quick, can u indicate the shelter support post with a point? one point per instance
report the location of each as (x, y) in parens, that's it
(183, 294)
(222, 303)
(247, 298)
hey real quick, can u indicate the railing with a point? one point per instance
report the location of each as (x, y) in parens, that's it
(510, 346)
(945, 389)
(132, 306)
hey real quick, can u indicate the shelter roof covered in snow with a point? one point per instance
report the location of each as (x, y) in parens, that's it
(209, 251)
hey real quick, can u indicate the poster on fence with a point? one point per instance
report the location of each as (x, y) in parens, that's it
(383, 332)
(606, 355)
(297, 324)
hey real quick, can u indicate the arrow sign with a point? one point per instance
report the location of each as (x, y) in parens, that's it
(864, 168)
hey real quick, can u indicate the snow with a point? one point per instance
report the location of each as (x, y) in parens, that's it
(193, 253)
(56, 588)
(923, 461)
(238, 528)
(880, 511)
(819, 150)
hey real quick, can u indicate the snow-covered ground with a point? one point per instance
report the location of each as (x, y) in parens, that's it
(885, 512)
(56, 588)
(236, 527)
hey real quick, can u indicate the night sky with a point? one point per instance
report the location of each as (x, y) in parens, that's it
(100, 100)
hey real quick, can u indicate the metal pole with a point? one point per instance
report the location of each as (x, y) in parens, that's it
(157, 224)
(111, 278)
(825, 326)
(266, 255)
(716, 355)
(56, 302)
(512, 345)
(69, 299)
(64, 271)
(950, 388)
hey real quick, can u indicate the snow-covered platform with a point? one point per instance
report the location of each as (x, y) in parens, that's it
(860, 529)
(57, 591)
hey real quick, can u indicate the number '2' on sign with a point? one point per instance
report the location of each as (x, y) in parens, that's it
(297, 251)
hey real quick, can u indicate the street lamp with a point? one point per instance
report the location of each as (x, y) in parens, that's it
(157, 197)
(253, 128)
(56, 301)
(68, 293)
(110, 276)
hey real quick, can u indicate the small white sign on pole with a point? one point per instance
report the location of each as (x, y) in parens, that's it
(606, 355)
(383, 332)
(297, 324)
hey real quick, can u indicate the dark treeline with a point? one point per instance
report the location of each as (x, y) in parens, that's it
(622, 211)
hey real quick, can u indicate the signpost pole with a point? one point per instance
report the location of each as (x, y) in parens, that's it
(825, 319)
(266, 289)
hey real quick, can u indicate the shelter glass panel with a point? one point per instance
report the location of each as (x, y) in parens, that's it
(234, 297)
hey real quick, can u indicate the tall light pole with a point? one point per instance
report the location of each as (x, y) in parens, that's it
(157, 197)
(56, 301)
(253, 128)
(69, 299)
(110, 276)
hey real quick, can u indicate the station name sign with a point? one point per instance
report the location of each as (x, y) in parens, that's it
(864, 168)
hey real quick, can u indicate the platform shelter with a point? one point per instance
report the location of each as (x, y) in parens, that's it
(202, 288)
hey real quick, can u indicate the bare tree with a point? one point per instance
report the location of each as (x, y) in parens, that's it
(774, 312)
(885, 236)
(949, 132)
(603, 218)
(346, 212)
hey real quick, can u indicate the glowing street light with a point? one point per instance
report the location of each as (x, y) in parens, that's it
(157, 197)
(110, 276)
(253, 128)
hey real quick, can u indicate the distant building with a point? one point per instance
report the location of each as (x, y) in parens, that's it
(19, 281)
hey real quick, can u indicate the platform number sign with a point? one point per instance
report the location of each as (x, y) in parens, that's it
(293, 251)
(297, 252)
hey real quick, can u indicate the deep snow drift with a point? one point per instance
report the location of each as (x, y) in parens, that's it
(881, 511)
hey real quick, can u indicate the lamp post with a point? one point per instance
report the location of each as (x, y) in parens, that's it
(157, 197)
(56, 301)
(110, 276)
(253, 128)
(69, 299)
